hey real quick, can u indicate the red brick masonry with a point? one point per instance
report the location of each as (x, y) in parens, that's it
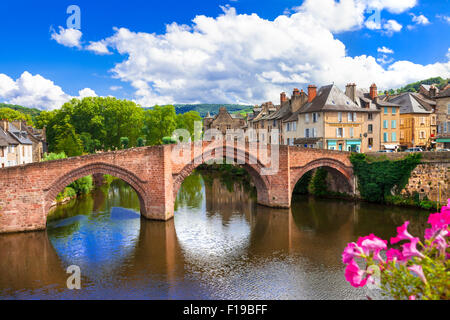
(27, 191)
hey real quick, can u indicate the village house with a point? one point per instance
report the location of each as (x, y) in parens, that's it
(443, 119)
(223, 121)
(332, 120)
(416, 121)
(20, 144)
(8, 150)
(389, 120)
(273, 117)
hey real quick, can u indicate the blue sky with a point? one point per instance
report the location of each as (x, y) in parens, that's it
(320, 41)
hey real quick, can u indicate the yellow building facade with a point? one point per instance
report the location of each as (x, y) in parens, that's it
(415, 130)
(389, 127)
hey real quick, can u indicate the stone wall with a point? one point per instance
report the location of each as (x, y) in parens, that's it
(430, 178)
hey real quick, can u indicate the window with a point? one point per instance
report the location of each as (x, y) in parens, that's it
(370, 128)
(385, 110)
(351, 117)
(402, 135)
(370, 116)
(385, 124)
(340, 116)
(385, 137)
(339, 132)
(394, 136)
(315, 116)
(274, 123)
(394, 110)
(294, 126)
(314, 132)
(422, 134)
(394, 124)
(352, 131)
(448, 109)
(402, 122)
(306, 117)
(370, 142)
(288, 126)
(306, 133)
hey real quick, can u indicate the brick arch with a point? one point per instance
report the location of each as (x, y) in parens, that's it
(95, 168)
(251, 164)
(344, 170)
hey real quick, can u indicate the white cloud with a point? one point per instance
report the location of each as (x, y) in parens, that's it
(86, 92)
(244, 58)
(392, 26)
(448, 54)
(98, 47)
(385, 50)
(420, 19)
(384, 59)
(67, 37)
(394, 6)
(444, 18)
(35, 91)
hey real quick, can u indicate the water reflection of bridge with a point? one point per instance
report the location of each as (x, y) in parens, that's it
(312, 229)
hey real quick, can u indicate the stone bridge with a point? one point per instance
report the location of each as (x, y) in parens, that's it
(156, 173)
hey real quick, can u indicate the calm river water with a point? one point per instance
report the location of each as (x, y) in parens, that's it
(220, 245)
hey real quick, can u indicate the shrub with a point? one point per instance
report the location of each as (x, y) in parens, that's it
(377, 180)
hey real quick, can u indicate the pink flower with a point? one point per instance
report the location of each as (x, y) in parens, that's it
(412, 298)
(402, 233)
(410, 250)
(441, 219)
(350, 252)
(394, 254)
(355, 275)
(419, 271)
(440, 242)
(371, 243)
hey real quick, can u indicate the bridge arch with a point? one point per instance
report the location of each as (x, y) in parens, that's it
(244, 158)
(96, 168)
(332, 165)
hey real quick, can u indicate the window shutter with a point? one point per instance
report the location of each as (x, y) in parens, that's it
(343, 132)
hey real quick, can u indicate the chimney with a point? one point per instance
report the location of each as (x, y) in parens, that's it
(4, 124)
(433, 91)
(312, 91)
(350, 91)
(283, 98)
(298, 103)
(17, 124)
(373, 91)
(296, 93)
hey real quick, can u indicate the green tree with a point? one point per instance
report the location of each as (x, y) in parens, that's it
(124, 141)
(69, 142)
(89, 145)
(11, 115)
(140, 142)
(159, 122)
(187, 120)
(44, 119)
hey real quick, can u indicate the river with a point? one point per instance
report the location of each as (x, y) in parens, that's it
(220, 245)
